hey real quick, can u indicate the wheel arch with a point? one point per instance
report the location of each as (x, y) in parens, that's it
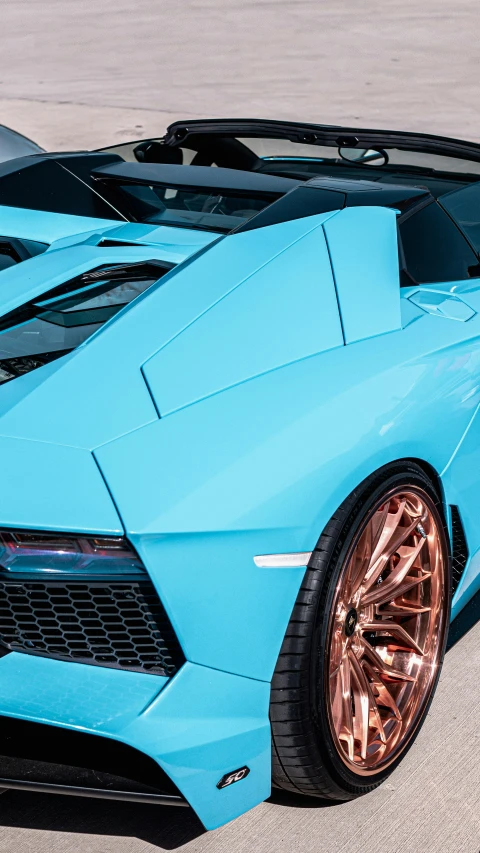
(318, 773)
(354, 479)
(429, 470)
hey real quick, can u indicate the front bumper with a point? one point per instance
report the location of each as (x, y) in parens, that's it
(197, 726)
(212, 717)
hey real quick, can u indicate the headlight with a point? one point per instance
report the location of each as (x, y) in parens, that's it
(26, 551)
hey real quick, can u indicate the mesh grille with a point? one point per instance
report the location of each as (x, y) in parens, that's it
(114, 624)
(459, 549)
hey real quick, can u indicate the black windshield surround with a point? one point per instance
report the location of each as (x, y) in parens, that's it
(202, 198)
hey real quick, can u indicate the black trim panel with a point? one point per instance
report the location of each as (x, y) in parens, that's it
(196, 178)
(323, 134)
(43, 754)
(459, 549)
(95, 793)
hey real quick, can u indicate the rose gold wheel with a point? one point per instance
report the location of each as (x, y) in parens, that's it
(386, 631)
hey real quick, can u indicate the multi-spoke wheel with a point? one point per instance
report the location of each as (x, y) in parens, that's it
(364, 647)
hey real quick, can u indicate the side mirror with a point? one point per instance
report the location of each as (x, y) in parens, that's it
(370, 156)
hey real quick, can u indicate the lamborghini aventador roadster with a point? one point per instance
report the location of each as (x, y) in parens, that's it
(240, 444)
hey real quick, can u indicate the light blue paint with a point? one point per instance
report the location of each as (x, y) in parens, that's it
(101, 371)
(274, 317)
(262, 467)
(47, 227)
(462, 489)
(216, 596)
(203, 725)
(265, 437)
(29, 279)
(442, 304)
(172, 244)
(363, 247)
(87, 698)
(53, 487)
(198, 727)
(181, 240)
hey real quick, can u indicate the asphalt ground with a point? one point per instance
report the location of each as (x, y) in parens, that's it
(86, 74)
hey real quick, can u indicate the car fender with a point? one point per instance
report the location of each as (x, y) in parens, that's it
(261, 468)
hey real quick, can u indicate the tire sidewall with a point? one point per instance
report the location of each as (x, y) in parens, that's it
(330, 561)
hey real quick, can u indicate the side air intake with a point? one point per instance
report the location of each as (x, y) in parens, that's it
(459, 549)
(41, 757)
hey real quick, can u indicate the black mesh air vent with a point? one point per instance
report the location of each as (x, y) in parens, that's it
(459, 549)
(115, 624)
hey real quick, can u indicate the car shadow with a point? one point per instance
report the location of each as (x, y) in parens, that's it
(162, 827)
(299, 801)
(465, 620)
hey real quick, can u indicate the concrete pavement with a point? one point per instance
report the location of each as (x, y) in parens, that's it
(96, 71)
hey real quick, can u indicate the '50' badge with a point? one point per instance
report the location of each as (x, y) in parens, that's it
(235, 776)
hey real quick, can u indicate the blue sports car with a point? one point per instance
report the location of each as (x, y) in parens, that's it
(240, 443)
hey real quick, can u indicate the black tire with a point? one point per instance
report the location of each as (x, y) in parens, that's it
(304, 756)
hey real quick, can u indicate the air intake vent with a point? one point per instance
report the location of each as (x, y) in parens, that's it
(69, 314)
(113, 624)
(45, 754)
(114, 244)
(459, 549)
(13, 251)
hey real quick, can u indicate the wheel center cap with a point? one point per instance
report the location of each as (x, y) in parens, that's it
(351, 622)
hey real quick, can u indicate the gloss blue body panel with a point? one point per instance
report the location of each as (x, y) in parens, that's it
(96, 375)
(47, 227)
(111, 361)
(271, 318)
(367, 292)
(182, 241)
(53, 487)
(448, 305)
(272, 468)
(174, 244)
(216, 597)
(206, 723)
(200, 725)
(461, 487)
(225, 413)
(88, 698)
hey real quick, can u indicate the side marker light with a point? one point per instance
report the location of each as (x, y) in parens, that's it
(282, 561)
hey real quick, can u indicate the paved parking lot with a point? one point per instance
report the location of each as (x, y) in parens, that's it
(84, 74)
(89, 72)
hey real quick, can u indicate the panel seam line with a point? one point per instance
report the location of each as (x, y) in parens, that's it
(334, 284)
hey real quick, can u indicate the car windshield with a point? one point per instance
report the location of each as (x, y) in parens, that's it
(285, 149)
(59, 321)
(464, 207)
(283, 155)
(209, 210)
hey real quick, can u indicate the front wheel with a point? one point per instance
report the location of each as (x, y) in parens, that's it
(363, 651)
